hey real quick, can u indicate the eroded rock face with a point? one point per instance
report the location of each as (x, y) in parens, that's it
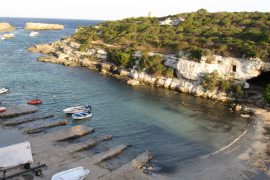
(42, 48)
(239, 69)
(6, 27)
(42, 26)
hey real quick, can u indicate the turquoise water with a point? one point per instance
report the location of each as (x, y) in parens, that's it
(175, 127)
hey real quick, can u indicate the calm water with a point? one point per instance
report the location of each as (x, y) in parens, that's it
(176, 127)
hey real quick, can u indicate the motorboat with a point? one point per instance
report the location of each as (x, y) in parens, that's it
(3, 109)
(33, 34)
(76, 109)
(82, 115)
(3, 90)
(78, 173)
(34, 102)
(8, 36)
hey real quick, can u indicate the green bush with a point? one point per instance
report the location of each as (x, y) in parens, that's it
(119, 57)
(239, 90)
(196, 54)
(211, 81)
(266, 93)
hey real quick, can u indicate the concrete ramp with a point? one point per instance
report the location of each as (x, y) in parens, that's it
(114, 151)
(18, 110)
(88, 143)
(45, 126)
(18, 120)
(69, 133)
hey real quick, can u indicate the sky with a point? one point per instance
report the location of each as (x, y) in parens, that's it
(119, 9)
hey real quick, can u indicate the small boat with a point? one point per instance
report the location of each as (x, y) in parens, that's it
(82, 115)
(73, 110)
(76, 109)
(8, 36)
(3, 90)
(78, 173)
(3, 109)
(34, 102)
(3, 38)
(33, 34)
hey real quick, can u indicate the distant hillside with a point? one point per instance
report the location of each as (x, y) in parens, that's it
(225, 33)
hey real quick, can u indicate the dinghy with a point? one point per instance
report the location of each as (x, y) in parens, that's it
(3, 109)
(82, 115)
(73, 110)
(76, 109)
(3, 90)
(78, 173)
(34, 102)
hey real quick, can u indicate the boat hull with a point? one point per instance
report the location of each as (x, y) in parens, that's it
(78, 173)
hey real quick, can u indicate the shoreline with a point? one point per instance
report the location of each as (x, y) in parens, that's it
(246, 160)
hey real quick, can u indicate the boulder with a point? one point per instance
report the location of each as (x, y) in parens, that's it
(42, 26)
(42, 48)
(6, 27)
(133, 82)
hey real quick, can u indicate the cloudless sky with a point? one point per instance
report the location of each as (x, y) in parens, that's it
(118, 9)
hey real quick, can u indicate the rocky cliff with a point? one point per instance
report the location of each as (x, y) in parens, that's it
(6, 27)
(42, 26)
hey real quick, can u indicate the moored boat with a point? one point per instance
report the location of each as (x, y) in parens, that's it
(3, 90)
(78, 173)
(75, 109)
(3, 109)
(33, 34)
(82, 115)
(8, 36)
(34, 102)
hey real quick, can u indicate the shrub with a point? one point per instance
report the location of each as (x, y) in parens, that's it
(211, 81)
(167, 72)
(225, 85)
(119, 57)
(266, 93)
(239, 90)
(196, 54)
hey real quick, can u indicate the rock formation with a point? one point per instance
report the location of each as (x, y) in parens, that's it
(42, 26)
(6, 27)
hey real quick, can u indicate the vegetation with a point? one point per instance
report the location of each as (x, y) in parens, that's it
(229, 34)
(266, 93)
(212, 81)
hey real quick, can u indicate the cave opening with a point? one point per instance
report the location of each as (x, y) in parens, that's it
(262, 80)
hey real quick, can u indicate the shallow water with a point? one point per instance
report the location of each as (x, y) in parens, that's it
(175, 127)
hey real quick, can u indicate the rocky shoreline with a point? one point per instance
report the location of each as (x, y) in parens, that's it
(188, 80)
(66, 52)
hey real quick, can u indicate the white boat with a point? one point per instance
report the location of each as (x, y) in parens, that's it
(3, 38)
(33, 34)
(78, 173)
(3, 109)
(82, 115)
(3, 90)
(75, 109)
(8, 36)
